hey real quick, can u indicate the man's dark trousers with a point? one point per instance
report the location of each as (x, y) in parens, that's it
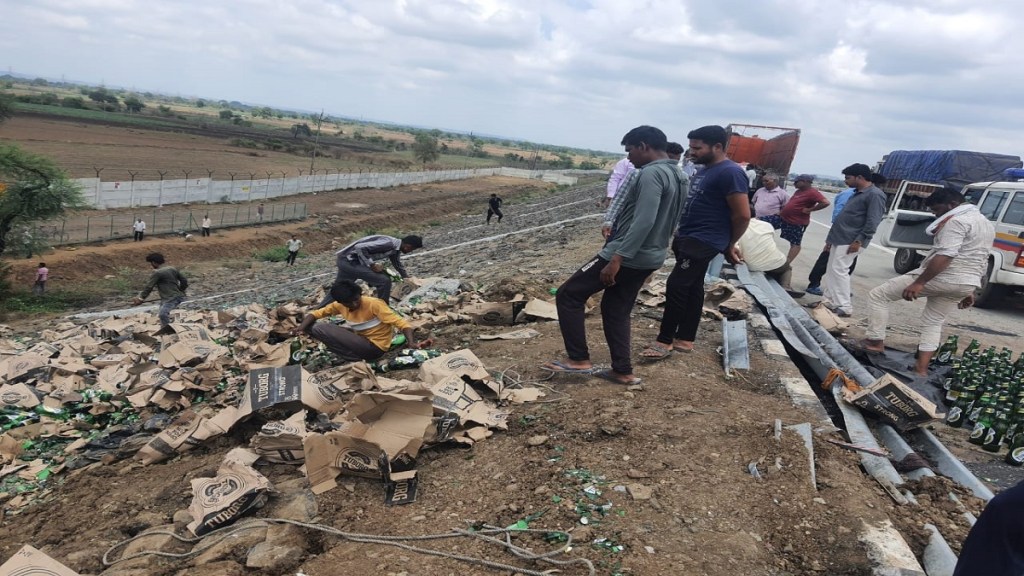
(995, 545)
(684, 290)
(348, 270)
(616, 305)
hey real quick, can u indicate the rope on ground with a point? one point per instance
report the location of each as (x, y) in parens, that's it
(485, 533)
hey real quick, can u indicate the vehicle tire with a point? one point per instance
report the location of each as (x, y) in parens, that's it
(988, 295)
(906, 259)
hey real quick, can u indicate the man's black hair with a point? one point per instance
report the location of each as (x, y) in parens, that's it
(345, 291)
(155, 258)
(649, 135)
(710, 135)
(674, 148)
(944, 196)
(855, 170)
(413, 240)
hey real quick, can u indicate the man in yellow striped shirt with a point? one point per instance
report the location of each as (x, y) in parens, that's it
(369, 325)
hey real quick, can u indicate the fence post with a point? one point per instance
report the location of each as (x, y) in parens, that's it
(88, 227)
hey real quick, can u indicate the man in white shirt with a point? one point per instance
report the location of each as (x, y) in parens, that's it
(293, 249)
(946, 278)
(760, 254)
(139, 229)
(620, 172)
(206, 225)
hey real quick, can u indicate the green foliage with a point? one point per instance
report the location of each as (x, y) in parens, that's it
(134, 104)
(425, 148)
(73, 102)
(164, 110)
(200, 103)
(275, 254)
(104, 97)
(24, 302)
(36, 190)
(226, 114)
(6, 107)
(301, 130)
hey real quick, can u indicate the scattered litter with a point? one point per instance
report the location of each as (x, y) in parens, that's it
(522, 334)
(28, 560)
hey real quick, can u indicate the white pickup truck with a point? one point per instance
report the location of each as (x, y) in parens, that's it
(1000, 202)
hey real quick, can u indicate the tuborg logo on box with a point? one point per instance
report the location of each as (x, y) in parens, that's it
(216, 492)
(11, 397)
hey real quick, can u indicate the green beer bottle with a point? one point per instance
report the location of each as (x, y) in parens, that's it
(972, 349)
(1015, 456)
(994, 435)
(955, 416)
(982, 423)
(947, 351)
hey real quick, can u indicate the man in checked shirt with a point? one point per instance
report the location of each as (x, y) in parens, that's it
(675, 152)
(360, 260)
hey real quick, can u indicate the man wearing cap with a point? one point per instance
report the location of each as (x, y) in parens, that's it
(795, 216)
(851, 232)
(359, 260)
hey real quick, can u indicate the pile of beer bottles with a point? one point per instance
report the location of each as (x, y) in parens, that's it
(985, 393)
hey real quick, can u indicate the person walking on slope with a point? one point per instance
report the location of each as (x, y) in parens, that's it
(205, 228)
(359, 261)
(369, 325)
(494, 208)
(947, 277)
(850, 234)
(42, 273)
(169, 284)
(294, 245)
(138, 229)
(644, 226)
(714, 218)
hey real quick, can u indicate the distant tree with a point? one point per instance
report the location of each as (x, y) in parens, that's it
(34, 189)
(226, 114)
(103, 96)
(263, 112)
(6, 108)
(477, 147)
(200, 103)
(301, 130)
(72, 102)
(134, 104)
(425, 148)
(40, 82)
(165, 110)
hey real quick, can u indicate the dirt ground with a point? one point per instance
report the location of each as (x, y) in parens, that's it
(682, 442)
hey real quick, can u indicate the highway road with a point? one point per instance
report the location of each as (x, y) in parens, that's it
(999, 327)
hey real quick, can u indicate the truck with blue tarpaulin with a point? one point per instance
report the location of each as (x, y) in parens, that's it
(933, 169)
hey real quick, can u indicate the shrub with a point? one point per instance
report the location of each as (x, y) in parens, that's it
(275, 254)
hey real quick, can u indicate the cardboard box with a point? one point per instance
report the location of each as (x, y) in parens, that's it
(288, 387)
(894, 402)
(219, 501)
(29, 562)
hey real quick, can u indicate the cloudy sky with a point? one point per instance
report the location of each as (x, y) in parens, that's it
(859, 77)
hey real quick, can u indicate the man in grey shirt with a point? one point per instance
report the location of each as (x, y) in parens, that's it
(643, 229)
(851, 232)
(359, 261)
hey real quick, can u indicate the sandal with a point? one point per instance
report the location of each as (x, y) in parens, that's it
(656, 351)
(613, 377)
(559, 367)
(858, 345)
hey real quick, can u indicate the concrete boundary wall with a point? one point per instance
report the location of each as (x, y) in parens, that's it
(126, 194)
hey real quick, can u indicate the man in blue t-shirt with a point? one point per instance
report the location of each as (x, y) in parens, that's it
(714, 218)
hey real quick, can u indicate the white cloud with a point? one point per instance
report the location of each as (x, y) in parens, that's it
(860, 78)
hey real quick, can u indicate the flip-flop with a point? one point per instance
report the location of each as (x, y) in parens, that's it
(612, 377)
(681, 349)
(558, 367)
(857, 345)
(795, 293)
(660, 352)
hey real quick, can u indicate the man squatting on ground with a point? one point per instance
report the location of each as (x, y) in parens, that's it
(760, 254)
(946, 278)
(851, 232)
(714, 218)
(358, 261)
(169, 284)
(674, 151)
(643, 228)
(369, 325)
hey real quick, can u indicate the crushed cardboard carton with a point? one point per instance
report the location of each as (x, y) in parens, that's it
(829, 320)
(188, 431)
(30, 562)
(894, 402)
(236, 490)
(281, 441)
